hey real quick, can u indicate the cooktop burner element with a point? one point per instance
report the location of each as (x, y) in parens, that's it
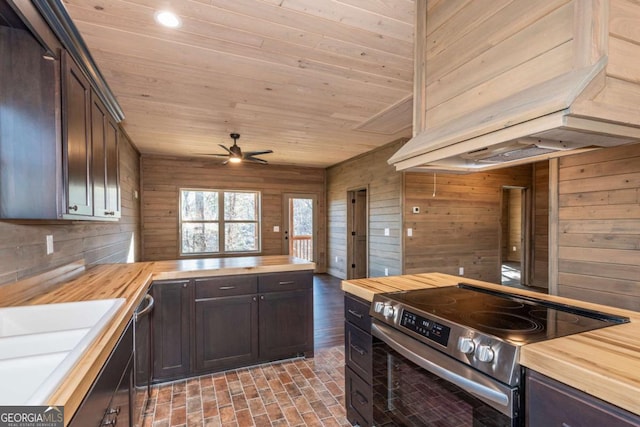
(482, 327)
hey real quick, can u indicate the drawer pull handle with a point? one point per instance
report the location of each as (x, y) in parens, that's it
(355, 313)
(226, 288)
(360, 398)
(358, 349)
(288, 282)
(73, 208)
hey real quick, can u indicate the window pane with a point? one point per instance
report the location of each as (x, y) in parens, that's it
(302, 217)
(199, 237)
(240, 206)
(199, 205)
(240, 237)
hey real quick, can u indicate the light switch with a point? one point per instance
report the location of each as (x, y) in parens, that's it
(409, 232)
(386, 231)
(276, 228)
(49, 240)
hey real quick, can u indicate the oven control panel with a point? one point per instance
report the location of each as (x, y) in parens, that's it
(425, 327)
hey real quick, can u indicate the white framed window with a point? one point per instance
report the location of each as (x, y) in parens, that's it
(219, 221)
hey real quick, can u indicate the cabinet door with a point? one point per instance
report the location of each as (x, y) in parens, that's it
(286, 324)
(226, 332)
(98, 163)
(104, 161)
(76, 102)
(112, 159)
(170, 320)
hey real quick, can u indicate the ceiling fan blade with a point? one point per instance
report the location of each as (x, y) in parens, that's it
(257, 153)
(212, 154)
(225, 148)
(256, 160)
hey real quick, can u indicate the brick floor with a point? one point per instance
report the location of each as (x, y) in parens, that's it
(298, 392)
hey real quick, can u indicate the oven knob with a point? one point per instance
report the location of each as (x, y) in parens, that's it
(466, 345)
(388, 311)
(484, 353)
(377, 307)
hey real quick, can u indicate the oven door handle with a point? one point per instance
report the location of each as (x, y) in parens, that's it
(492, 392)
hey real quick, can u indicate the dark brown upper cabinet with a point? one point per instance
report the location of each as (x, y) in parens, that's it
(30, 157)
(58, 141)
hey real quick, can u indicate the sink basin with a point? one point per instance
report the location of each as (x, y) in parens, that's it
(40, 344)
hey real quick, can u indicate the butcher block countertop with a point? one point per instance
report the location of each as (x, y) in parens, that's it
(129, 281)
(604, 363)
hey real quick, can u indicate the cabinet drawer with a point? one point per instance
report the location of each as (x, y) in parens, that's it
(356, 311)
(550, 403)
(287, 281)
(358, 399)
(357, 344)
(225, 286)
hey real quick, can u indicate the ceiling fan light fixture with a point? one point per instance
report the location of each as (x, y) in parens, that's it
(235, 159)
(168, 19)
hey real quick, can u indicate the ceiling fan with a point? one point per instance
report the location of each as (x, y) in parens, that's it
(235, 154)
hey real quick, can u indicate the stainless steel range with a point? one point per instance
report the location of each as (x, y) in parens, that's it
(449, 356)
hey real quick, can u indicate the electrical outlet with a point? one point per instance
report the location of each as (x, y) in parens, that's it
(386, 231)
(514, 249)
(49, 240)
(386, 271)
(276, 228)
(460, 271)
(409, 232)
(336, 259)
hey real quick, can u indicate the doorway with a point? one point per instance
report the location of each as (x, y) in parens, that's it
(300, 226)
(515, 237)
(357, 226)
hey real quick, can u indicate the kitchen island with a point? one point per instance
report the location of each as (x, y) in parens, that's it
(604, 363)
(128, 281)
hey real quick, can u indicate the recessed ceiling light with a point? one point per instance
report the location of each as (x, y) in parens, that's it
(168, 19)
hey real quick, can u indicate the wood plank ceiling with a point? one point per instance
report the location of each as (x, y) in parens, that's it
(317, 81)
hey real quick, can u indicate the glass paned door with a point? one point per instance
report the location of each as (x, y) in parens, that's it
(300, 226)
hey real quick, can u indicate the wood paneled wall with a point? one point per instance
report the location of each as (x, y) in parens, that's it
(540, 261)
(162, 178)
(459, 221)
(599, 226)
(492, 48)
(23, 247)
(384, 191)
(514, 241)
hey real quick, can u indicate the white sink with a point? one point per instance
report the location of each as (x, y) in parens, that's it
(40, 344)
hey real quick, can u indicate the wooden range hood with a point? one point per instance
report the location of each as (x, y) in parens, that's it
(521, 81)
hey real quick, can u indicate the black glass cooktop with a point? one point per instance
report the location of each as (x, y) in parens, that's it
(514, 318)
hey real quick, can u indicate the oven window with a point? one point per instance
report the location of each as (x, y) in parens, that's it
(407, 395)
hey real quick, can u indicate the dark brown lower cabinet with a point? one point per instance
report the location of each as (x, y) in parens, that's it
(108, 402)
(215, 323)
(358, 344)
(171, 329)
(226, 332)
(551, 403)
